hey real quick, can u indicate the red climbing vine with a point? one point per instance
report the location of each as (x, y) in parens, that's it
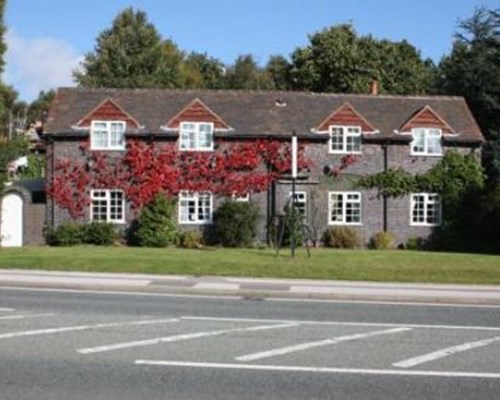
(149, 168)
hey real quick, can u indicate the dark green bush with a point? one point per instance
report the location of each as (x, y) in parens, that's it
(291, 226)
(156, 226)
(190, 240)
(235, 224)
(382, 241)
(99, 233)
(66, 234)
(341, 237)
(415, 243)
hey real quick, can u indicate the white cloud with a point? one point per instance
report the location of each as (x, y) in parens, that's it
(38, 64)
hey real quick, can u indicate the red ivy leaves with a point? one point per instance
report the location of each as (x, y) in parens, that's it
(147, 169)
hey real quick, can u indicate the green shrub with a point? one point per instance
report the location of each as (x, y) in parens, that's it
(155, 226)
(235, 224)
(291, 226)
(382, 241)
(66, 234)
(341, 237)
(415, 243)
(99, 233)
(190, 239)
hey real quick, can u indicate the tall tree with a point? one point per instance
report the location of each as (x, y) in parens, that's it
(245, 74)
(338, 60)
(129, 54)
(278, 69)
(202, 71)
(3, 45)
(472, 70)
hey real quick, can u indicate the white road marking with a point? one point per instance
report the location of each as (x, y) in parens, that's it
(24, 316)
(235, 297)
(381, 303)
(319, 343)
(286, 368)
(436, 355)
(50, 331)
(7, 309)
(121, 293)
(178, 338)
(343, 323)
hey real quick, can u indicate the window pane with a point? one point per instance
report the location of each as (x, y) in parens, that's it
(117, 135)
(205, 136)
(336, 207)
(418, 144)
(337, 139)
(353, 143)
(204, 208)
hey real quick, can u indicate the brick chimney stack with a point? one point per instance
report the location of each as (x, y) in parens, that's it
(374, 87)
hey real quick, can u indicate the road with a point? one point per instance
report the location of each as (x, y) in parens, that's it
(64, 344)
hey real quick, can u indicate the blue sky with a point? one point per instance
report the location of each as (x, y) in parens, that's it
(48, 38)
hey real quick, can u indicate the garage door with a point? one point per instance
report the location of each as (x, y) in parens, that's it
(11, 232)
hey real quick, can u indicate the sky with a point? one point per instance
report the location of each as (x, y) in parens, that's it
(47, 39)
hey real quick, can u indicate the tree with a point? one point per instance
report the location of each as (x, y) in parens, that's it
(198, 70)
(40, 106)
(3, 45)
(278, 69)
(472, 70)
(129, 54)
(338, 60)
(245, 74)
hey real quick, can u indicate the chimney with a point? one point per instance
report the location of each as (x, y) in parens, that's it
(374, 87)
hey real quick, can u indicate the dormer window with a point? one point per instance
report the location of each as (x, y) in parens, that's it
(107, 135)
(426, 142)
(198, 136)
(345, 139)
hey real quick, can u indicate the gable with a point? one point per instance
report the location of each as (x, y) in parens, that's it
(426, 117)
(197, 111)
(346, 114)
(108, 110)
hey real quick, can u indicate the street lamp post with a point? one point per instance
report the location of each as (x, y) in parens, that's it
(294, 178)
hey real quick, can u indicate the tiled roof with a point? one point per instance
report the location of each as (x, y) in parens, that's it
(259, 112)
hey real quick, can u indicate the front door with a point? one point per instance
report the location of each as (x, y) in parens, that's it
(11, 222)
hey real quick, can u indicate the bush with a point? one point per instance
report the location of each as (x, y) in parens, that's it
(342, 238)
(155, 226)
(66, 234)
(235, 224)
(415, 243)
(292, 219)
(190, 240)
(382, 241)
(99, 233)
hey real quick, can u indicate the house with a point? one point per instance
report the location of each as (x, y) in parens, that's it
(89, 132)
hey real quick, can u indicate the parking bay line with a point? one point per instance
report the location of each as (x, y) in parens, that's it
(64, 329)
(179, 338)
(3, 309)
(319, 343)
(347, 323)
(24, 316)
(286, 368)
(436, 355)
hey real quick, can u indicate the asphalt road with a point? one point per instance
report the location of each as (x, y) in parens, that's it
(82, 345)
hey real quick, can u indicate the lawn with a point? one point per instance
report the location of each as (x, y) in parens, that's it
(369, 265)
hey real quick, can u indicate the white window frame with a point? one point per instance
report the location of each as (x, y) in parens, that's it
(428, 201)
(300, 202)
(345, 135)
(107, 130)
(187, 143)
(429, 136)
(197, 198)
(108, 199)
(241, 199)
(345, 208)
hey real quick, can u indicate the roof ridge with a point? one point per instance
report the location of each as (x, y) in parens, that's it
(262, 91)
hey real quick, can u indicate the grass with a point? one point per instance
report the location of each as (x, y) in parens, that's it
(364, 265)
